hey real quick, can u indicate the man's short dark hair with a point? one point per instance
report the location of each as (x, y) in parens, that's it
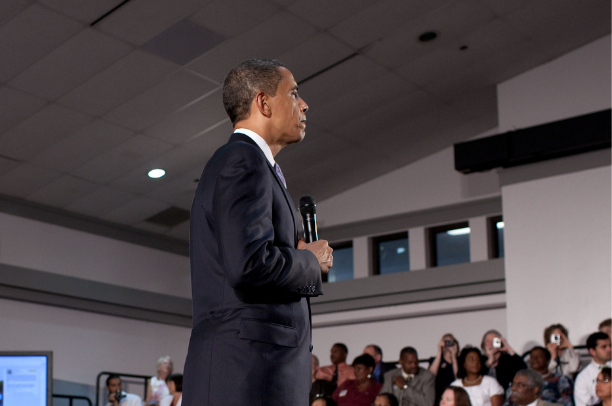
(547, 354)
(244, 81)
(390, 397)
(178, 381)
(593, 338)
(534, 378)
(111, 377)
(408, 350)
(377, 349)
(343, 347)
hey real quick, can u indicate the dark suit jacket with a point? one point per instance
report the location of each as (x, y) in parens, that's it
(251, 329)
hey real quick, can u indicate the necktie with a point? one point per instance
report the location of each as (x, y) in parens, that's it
(280, 174)
(335, 376)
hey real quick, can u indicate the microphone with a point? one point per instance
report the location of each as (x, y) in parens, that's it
(308, 210)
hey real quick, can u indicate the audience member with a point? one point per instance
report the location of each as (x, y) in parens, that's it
(362, 390)
(557, 388)
(606, 327)
(444, 364)
(564, 360)
(386, 399)
(455, 396)
(157, 387)
(323, 402)
(500, 359)
(482, 389)
(602, 387)
(411, 385)
(320, 387)
(175, 387)
(598, 345)
(526, 389)
(116, 395)
(338, 371)
(381, 367)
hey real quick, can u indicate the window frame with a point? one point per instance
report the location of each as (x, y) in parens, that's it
(340, 245)
(432, 249)
(384, 238)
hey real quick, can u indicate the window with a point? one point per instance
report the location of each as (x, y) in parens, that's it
(391, 254)
(496, 227)
(450, 244)
(343, 263)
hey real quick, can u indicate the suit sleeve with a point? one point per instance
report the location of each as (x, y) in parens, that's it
(424, 394)
(253, 254)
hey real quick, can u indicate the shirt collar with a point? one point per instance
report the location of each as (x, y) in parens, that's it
(533, 403)
(406, 376)
(263, 145)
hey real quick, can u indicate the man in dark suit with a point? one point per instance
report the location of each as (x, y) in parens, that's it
(381, 367)
(251, 277)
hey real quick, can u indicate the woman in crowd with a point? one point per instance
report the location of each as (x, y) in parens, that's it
(455, 396)
(362, 390)
(483, 390)
(444, 365)
(563, 358)
(175, 387)
(557, 388)
(602, 387)
(386, 399)
(501, 361)
(157, 388)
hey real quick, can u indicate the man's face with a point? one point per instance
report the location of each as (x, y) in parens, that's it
(370, 351)
(288, 118)
(522, 393)
(114, 385)
(602, 352)
(337, 355)
(409, 363)
(537, 360)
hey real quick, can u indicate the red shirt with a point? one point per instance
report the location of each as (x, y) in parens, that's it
(348, 395)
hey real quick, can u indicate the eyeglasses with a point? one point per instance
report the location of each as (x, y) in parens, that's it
(601, 381)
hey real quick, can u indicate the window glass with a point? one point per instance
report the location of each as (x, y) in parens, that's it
(393, 255)
(452, 246)
(499, 227)
(343, 264)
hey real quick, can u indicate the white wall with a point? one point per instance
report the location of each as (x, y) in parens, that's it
(85, 344)
(51, 248)
(557, 241)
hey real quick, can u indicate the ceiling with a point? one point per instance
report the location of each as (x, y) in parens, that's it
(90, 101)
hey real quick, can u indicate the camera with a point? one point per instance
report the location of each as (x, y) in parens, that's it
(449, 343)
(119, 396)
(555, 338)
(497, 342)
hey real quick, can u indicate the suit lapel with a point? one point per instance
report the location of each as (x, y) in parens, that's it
(241, 137)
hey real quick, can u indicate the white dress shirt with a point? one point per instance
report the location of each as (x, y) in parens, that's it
(260, 142)
(584, 389)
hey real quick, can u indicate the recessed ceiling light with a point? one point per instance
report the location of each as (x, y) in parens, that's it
(463, 47)
(156, 173)
(428, 36)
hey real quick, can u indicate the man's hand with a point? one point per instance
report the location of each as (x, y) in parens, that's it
(506, 347)
(112, 400)
(321, 250)
(399, 381)
(553, 349)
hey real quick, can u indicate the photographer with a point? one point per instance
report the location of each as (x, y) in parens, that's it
(564, 360)
(117, 397)
(444, 364)
(500, 361)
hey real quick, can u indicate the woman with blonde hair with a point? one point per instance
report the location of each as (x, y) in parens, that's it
(157, 388)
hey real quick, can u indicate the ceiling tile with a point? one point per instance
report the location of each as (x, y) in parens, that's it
(135, 211)
(190, 121)
(62, 191)
(41, 130)
(501, 7)
(269, 39)
(244, 15)
(121, 159)
(173, 93)
(9, 8)
(208, 142)
(152, 227)
(118, 83)
(6, 164)
(81, 147)
(180, 191)
(323, 14)
(25, 179)
(71, 64)
(314, 55)
(139, 21)
(101, 201)
(29, 36)
(16, 106)
(85, 11)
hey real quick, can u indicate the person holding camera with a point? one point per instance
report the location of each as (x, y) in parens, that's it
(116, 395)
(444, 364)
(564, 360)
(500, 361)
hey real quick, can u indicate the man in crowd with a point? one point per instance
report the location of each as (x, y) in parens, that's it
(116, 395)
(598, 345)
(411, 384)
(381, 367)
(501, 361)
(338, 371)
(526, 389)
(557, 388)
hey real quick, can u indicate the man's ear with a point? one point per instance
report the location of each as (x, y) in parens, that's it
(261, 102)
(592, 352)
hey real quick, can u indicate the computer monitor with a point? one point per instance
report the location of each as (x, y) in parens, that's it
(26, 378)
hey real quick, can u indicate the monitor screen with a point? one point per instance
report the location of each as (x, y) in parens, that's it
(25, 378)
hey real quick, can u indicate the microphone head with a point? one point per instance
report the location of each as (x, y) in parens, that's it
(307, 205)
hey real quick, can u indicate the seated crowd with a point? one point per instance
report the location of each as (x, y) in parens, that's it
(494, 375)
